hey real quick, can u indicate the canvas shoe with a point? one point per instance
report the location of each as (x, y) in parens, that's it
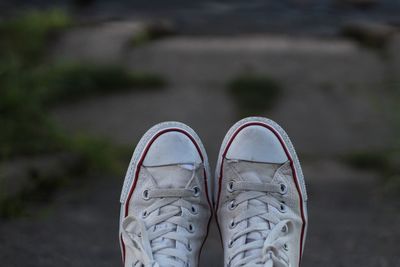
(165, 207)
(260, 196)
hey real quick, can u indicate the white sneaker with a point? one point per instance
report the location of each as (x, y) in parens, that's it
(165, 207)
(260, 196)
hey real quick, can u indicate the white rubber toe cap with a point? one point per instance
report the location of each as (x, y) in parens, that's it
(258, 144)
(172, 148)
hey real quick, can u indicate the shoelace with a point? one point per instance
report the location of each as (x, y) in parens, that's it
(143, 235)
(135, 238)
(271, 247)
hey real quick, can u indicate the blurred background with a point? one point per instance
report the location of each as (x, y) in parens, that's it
(82, 80)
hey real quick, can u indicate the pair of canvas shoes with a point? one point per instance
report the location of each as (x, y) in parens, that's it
(259, 197)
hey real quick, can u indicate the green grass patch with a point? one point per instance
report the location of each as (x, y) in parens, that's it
(88, 156)
(68, 82)
(27, 94)
(254, 94)
(99, 154)
(41, 189)
(24, 38)
(30, 86)
(26, 127)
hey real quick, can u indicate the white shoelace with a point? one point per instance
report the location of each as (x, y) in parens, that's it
(153, 238)
(269, 250)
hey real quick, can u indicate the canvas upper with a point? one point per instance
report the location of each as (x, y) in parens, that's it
(260, 197)
(165, 208)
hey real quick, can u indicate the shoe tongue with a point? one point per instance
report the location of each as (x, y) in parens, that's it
(257, 173)
(171, 176)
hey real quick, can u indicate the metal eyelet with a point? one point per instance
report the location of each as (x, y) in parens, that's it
(196, 191)
(284, 229)
(230, 243)
(194, 210)
(189, 247)
(285, 247)
(282, 207)
(232, 224)
(232, 205)
(191, 228)
(229, 186)
(145, 194)
(144, 214)
(283, 188)
(270, 254)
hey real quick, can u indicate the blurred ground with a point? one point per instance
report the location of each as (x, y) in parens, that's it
(331, 105)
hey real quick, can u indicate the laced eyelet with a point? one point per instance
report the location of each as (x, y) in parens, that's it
(232, 224)
(284, 229)
(145, 194)
(282, 207)
(191, 228)
(194, 210)
(196, 191)
(189, 247)
(283, 188)
(230, 243)
(285, 247)
(144, 214)
(229, 186)
(270, 254)
(232, 205)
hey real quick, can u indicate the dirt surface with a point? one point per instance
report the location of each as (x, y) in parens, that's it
(329, 108)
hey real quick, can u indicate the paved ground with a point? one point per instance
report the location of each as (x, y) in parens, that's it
(327, 109)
